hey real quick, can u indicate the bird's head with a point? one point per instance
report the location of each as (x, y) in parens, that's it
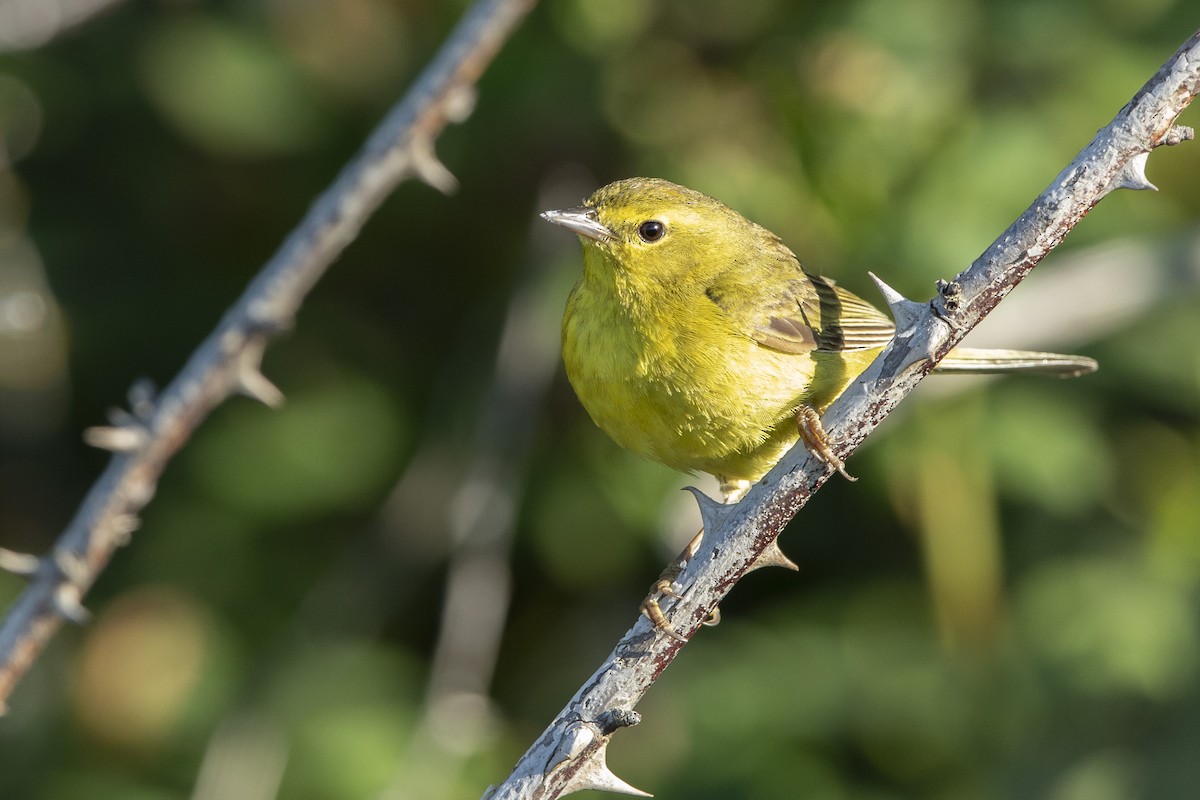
(649, 229)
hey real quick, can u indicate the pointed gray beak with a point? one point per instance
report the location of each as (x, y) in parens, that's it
(581, 220)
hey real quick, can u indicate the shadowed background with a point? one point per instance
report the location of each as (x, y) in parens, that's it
(1006, 605)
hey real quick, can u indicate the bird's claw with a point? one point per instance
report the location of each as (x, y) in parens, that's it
(665, 587)
(653, 612)
(808, 422)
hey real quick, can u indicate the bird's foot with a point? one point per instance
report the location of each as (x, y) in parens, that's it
(664, 587)
(808, 421)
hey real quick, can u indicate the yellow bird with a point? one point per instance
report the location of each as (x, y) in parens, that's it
(696, 338)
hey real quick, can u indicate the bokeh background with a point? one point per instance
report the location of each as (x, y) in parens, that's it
(1006, 605)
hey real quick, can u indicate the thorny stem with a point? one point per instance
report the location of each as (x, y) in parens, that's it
(227, 361)
(570, 754)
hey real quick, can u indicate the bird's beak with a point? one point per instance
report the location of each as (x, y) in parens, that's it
(581, 220)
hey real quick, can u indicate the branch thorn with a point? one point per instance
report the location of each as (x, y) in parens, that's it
(429, 169)
(249, 379)
(904, 311)
(712, 512)
(23, 564)
(253, 384)
(68, 603)
(596, 775)
(1133, 175)
(773, 556)
(117, 438)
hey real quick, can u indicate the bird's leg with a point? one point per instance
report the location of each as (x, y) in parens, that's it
(808, 421)
(731, 492)
(663, 588)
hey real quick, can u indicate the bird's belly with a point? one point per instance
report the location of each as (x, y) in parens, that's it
(688, 404)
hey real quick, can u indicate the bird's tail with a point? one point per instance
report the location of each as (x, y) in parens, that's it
(976, 360)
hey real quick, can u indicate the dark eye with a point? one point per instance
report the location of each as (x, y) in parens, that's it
(651, 230)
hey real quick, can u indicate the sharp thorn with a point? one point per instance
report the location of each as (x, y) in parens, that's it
(1133, 175)
(253, 384)
(596, 775)
(67, 601)
(773, 556)
(117, 438)
(430, 170)
(602, 781)
(712, 513)
(905, 312)
(23, 564)
(249, 379)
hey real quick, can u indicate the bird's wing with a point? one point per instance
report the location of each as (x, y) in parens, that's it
(816, 314)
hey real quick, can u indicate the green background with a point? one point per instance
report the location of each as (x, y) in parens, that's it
(1006, 605)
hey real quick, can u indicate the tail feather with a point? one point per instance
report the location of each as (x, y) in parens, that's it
(975, 360)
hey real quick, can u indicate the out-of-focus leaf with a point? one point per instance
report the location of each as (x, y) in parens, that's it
(1047, 447)
(1107, 627)
(227, 90)
(326, 449)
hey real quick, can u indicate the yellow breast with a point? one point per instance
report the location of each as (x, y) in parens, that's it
(696, 394)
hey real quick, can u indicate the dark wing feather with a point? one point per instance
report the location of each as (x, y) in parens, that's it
(815, 314)
(860, 325)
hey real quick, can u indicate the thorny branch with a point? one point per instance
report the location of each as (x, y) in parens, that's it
(227, 362)
(570, 755)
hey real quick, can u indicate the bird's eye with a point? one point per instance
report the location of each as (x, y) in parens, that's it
(651, 230)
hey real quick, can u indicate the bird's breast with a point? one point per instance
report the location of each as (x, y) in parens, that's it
(677, 384)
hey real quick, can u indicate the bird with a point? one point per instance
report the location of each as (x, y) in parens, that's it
(696, 338)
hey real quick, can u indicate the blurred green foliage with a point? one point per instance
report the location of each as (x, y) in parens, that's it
(1006, 606)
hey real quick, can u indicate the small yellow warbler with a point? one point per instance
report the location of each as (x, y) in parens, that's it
(696, 338)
